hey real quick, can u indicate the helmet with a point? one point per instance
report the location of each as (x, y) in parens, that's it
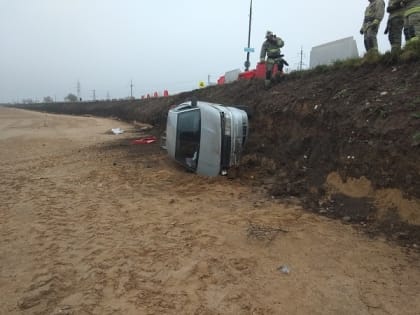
(268, 34)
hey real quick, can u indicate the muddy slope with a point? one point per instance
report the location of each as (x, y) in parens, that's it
(346, 143)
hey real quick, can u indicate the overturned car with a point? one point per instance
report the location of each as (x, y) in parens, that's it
(206, 138)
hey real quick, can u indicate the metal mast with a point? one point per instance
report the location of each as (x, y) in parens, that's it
(247, 63)
(78, 91)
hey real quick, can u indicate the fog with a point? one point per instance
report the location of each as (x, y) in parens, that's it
(48, 46)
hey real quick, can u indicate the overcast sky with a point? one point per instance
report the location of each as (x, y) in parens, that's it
(47, 46)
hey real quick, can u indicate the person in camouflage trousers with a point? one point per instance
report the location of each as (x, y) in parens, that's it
(374, 14)
(411, 19)
(271, 49)
(395, 25)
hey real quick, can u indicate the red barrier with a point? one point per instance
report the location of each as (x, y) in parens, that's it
(247, 75)
(155, 94)
(260, 70)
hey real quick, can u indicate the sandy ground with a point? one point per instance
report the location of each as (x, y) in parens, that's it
(86, 227)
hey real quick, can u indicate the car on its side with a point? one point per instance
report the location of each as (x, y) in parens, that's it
(206, 138)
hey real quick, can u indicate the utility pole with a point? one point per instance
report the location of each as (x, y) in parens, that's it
(131, 89)
(301, 63)
(248, 49)
(94, 95)
(78, 91)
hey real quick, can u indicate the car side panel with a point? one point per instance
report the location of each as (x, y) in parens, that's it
(210, 143)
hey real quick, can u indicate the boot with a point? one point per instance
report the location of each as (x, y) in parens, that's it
(395, 51)
(267, 81)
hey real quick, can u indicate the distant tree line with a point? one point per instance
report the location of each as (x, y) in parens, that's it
(48, 99)
(71, 98)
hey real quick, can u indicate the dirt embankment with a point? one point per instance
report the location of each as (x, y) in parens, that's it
(346, 143)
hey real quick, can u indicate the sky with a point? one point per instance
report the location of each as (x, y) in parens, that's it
(48, 46)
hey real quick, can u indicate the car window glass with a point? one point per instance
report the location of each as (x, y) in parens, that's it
(188, 138)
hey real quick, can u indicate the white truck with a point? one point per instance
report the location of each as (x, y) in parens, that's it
(206, 138)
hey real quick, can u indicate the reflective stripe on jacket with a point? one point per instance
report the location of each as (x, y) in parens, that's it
(374, 12)
(411, 7)
(271, 48)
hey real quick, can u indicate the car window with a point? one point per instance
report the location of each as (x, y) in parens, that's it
(188, 138)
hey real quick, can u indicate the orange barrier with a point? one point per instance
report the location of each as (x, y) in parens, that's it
(258, 72)
(247, 75)
(155, 94)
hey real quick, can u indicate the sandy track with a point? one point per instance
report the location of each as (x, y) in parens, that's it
(91, 225)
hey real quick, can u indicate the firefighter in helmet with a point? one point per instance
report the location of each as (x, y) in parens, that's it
(271, 49)
(374, 14)
(395, 24)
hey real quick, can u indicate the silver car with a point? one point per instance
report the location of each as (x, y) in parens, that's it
(206, 138)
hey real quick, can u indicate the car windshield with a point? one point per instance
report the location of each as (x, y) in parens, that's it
(188, 138)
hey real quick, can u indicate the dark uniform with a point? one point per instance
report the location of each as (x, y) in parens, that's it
(271, 49)
(411, 19)
(395, 24)
(374, 14)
